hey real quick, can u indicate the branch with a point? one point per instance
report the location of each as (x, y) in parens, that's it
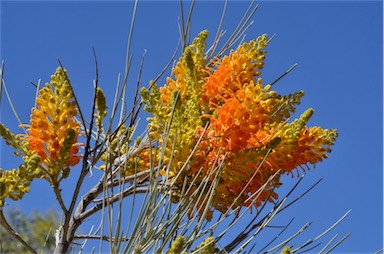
(3, 86)
(112, 199)
(80, 213)
(98, 237)
(59, 197)
(283, 75)
(13, 233)
(63, 245)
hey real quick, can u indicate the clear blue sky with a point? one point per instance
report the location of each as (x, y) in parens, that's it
(338, 46)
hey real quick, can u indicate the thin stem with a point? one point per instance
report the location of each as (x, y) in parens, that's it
(339, 242)
(277, 236)
(324, 233)
(77, 104)
(239, 30)
(130, 36)
(66, 237)
(4, 86)
(98, 237)
(1, 80)
(285, 73)
(134, 110)
(218, 33)
(181, 26)
(59, 198)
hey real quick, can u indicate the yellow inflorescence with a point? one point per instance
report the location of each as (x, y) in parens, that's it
(101, 107)
(177, 245)
(15, 183)
(248, 124)
(50, 146)
(53, 130)
(178, 100)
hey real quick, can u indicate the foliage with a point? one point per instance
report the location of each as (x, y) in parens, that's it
(37, 228)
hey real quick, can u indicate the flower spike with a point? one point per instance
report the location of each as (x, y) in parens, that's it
(53, 130)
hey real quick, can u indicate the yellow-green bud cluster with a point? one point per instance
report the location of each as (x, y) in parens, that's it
(286, 250)
(286, 106)
(101, 106)
(207, 246)
(179, 99)
(177, 245)
(15, 183)
(9, 138)
(117, 145)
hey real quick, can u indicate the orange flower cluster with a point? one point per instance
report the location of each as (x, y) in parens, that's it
(248, 124)
(53, 131)
(240, 67)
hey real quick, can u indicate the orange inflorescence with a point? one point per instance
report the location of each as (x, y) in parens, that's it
(240, 67)
(53, 130)
(249, 128)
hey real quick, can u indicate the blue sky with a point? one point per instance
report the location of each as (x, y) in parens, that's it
(338, 46)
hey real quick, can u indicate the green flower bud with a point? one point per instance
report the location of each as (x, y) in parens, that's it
(286, 250)
(101, 105)
(178, 245)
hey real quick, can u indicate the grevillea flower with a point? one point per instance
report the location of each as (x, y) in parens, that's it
(179, 100)
(249, 127)
(15, 183)
(233, 71)
(53, 130)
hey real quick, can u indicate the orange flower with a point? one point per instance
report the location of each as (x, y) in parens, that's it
(53, 131)
(234, 71)
(248, 127)
(311, 147)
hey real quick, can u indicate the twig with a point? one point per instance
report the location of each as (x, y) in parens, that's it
(81, 213)
(3, 85)
(218, 33)
(324, 233)
(13, 233)
(66, 236)
(285, 242)
(109, 200)
(285, 73)
(77, 104)
(59, 198)
(339, 242)
(134, 113)
(130, 36)
(98, 237)
(240, 29)
(277, 236)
